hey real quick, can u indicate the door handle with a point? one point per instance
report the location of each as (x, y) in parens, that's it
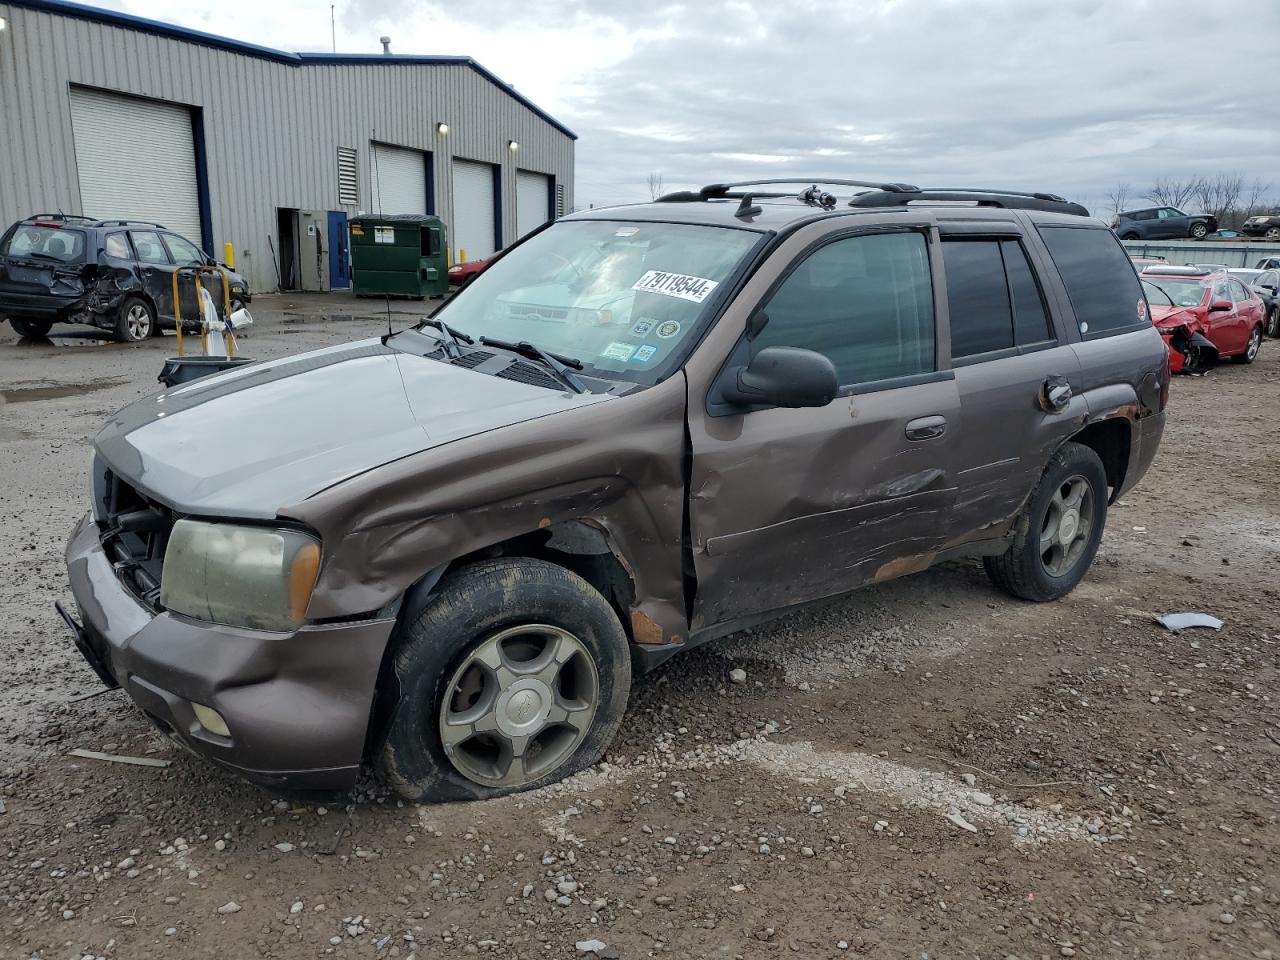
(1055, 394)
(926, 428)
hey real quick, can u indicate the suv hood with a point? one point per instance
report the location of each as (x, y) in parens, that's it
(250, 441)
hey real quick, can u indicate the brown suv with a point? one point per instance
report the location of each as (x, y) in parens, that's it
(640, 429)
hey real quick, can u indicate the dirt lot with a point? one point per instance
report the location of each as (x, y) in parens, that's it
(927, 770)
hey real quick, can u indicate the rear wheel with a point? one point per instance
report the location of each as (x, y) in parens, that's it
(1251, 351)
(1273, 321)
(515, 675)
(1057, 534)
(1199, 231)
(29, 327)
(1128, 236)
(135, 321)
(1273, 233)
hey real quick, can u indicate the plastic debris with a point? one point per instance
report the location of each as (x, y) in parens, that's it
(1177, 622)
(116, 758)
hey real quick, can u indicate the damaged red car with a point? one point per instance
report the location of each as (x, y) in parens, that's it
(1203, 316)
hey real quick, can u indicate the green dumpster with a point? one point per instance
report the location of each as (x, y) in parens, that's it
(401, 255)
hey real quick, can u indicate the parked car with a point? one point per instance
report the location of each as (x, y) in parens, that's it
(1268, 263)
(640, 429)
(1265, 225)
(1211, 267)
(460, 273)
(1203, 316)
(1140, 263)
(112, 274)
(1266, 284)
(1162, 223)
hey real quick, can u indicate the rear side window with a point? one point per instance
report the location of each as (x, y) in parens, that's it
(992, 295)
(149, 247)
(45, 243)
(1104, 291)
(117, 245)
(865, 302)
(1238, 293)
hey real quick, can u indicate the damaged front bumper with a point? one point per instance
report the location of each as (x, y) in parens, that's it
(296, 705)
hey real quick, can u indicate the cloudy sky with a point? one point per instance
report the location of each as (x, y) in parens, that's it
(1071, 96)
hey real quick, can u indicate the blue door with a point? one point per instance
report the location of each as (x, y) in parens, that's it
(339, 252)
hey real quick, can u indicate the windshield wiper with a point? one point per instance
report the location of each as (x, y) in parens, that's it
(452, 346)
(560, 365)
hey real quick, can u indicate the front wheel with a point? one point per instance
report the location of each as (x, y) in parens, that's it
(30, 328)
(1057, 534)
(1251, 351)
(514, 676)
(1273, 233)
(1199, 231)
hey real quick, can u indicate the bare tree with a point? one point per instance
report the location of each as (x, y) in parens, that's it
(1255, 199)
(655, 186)
(1118, 197)
(1172, 192)
(1219, 195)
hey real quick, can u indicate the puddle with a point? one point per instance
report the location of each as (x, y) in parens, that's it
(31, 394)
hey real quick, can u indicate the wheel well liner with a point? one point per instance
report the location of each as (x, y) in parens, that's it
(1109, 439)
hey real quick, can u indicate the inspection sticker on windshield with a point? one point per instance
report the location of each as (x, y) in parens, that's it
(618, 351)
(693, 289)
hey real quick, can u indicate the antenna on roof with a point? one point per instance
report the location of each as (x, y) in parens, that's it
(386, 46)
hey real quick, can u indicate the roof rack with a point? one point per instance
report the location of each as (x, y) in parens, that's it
(1163, 270)
(64, 217)
(877, 194)
(131, 223)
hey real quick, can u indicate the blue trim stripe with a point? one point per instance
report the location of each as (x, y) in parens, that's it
(143, 25)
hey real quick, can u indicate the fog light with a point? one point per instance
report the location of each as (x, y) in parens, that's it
(211, 720)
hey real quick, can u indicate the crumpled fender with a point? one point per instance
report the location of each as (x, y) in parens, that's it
(618, 465)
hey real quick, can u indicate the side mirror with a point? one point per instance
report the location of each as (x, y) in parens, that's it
(783, 377)
(1220, 306)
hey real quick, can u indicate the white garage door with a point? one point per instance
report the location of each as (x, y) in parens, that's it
(473, 210)
(399, 180)
(137, 160)
(533, 201)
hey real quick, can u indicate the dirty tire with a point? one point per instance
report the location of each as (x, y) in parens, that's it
(1273, 321)
(1251, 349)
(135, 320)
(1020, 570)
(1199, 231)
(469, 607)
(29, 327)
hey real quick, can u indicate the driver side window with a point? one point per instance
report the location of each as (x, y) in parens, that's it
(864, 302)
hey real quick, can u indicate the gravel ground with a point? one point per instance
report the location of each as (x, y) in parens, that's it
(923, 769)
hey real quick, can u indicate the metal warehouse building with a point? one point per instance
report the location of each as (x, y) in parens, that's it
(110, 115)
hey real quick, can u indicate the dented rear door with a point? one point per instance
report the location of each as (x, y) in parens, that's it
(793, 505)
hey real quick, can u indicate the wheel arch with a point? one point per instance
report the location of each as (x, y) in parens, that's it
(581, 546)
(1111, 438)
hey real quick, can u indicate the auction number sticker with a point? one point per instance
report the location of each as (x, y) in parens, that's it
(618, 351)
(693, 289)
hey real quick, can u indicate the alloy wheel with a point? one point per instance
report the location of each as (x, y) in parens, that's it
(518, 705)
(138, 322)
(1255, 344)
(1064, 533)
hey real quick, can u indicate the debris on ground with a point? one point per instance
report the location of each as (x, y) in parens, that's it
(1178, 622)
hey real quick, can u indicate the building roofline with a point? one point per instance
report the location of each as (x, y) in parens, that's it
(128, 21)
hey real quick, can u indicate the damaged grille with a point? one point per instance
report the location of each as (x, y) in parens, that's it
(135, 534)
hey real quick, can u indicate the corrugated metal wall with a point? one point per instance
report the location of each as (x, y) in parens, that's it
(271, 129)
(1179, 252)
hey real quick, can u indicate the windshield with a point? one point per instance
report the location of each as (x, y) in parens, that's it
(1174, 293)
(618, 296)
(45, 243)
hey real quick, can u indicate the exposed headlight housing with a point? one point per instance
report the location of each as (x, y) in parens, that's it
(258, 577)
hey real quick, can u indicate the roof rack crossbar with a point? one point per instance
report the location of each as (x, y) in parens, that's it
(719, 189)
(131, 223)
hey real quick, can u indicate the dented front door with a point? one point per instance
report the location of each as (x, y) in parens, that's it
(786, 505)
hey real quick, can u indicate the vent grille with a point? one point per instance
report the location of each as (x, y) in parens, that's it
(559, 199)
(348, 185)
(522, 372)
(472, 359)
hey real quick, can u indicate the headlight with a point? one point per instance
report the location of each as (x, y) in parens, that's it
(244, 576)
